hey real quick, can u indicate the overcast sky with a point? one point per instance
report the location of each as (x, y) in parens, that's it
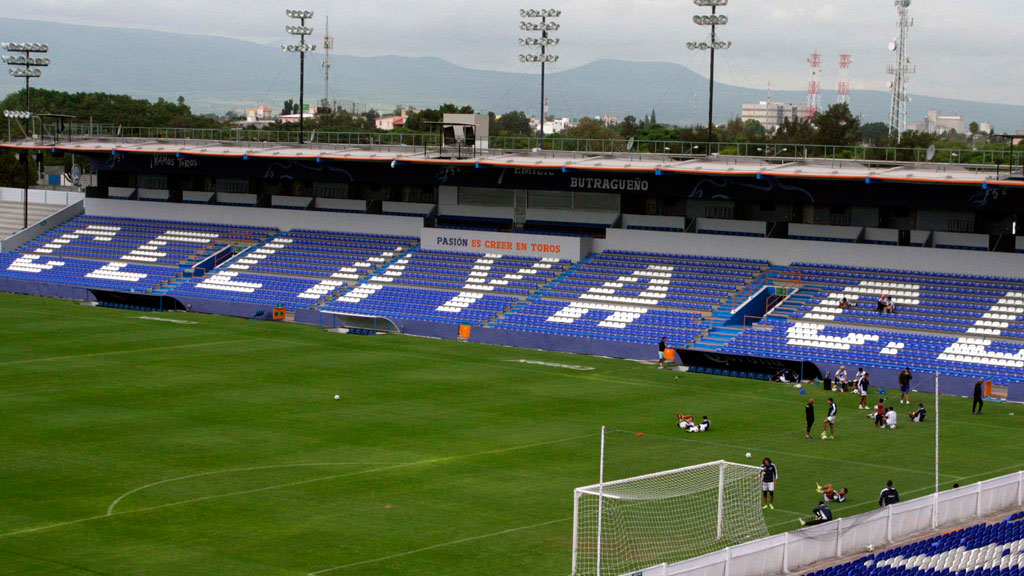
(968, 50)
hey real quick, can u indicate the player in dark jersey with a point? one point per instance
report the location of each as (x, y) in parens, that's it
(661, 354)
(769, 476)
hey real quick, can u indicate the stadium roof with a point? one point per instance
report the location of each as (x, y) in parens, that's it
(656, 164)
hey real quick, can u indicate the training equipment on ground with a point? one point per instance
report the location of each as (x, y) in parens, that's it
(628, 525)
(337, 397)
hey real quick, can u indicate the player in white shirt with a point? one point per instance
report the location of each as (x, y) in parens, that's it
(840, 379)
(890, 418)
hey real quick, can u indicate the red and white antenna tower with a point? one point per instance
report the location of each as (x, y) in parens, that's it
(844, 79)
(814, 87)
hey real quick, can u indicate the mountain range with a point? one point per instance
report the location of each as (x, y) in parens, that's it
(217, 74)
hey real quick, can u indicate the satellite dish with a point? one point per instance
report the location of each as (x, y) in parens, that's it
(930, 154)
(892, 46)
(629, 144)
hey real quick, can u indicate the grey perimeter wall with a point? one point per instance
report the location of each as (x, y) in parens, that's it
(776, 251)
(785, 252)
(283, 219)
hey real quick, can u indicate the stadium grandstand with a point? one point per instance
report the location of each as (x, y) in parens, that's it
(769, 263)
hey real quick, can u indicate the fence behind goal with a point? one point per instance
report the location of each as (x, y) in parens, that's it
(850, 536)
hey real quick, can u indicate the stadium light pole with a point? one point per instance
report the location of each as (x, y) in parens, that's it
(714, 20)
(301, 31)
(25, 65)
(544, 42)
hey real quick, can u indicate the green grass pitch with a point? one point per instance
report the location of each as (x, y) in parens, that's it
(134, 446)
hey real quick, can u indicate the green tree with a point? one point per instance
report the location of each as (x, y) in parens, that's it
(591, 129)
(289, 107)
(794, 131)
(513, 124)
(837, 126)
(974, 128)
(629, 128)
(873, 132)
(654, 118)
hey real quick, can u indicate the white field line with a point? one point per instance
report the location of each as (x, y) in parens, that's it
(436, 546)
(168, 320)
(299, 483)
(110, 509)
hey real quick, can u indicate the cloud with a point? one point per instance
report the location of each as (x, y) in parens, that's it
(962, 50)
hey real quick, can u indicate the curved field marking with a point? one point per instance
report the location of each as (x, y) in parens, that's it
(110, 509)
(436, 546)
(299, 483)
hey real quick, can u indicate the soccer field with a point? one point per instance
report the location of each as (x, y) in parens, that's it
(132, 445)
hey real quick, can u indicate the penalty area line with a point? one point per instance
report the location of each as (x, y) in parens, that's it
(436, 546)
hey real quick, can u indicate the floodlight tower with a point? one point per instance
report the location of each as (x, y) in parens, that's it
(714, 20)
(844, 79)
(901, 69)
(545, 41)
(301, 31)
(25, 65)
(814, 86)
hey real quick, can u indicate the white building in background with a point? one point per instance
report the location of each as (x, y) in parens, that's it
(771, 115)
(985, 128)
(556, 126)
(610, 120)
(260, 113)
(937, 123)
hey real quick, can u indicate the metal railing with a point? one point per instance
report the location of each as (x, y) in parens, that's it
(965, 157)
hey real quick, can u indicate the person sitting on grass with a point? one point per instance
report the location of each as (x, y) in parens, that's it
(822, 514)
(890, 418)
(919, 414)
(686, 423)
(830, 494)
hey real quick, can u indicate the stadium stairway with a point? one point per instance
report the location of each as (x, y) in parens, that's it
(724, 327)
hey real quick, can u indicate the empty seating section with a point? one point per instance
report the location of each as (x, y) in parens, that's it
(980, 550)
(109, 246)
(967, 326)
(114, 276)
(448, 286)
(636, 297)
(298, 269)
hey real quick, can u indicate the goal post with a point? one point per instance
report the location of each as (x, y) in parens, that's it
(627, 525)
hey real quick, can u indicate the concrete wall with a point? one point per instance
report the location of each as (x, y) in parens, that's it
(410, 208)
(340, 204)
(744, 226)
(955, 239)
(28, 234)
(147, 194)
(785, 252)
(819, 231)
(654, 221)
(580, 216)
(291, 201)
(55, 197)
(282, 219)
(881, 235)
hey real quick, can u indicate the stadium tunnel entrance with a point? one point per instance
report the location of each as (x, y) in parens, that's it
(133, 301)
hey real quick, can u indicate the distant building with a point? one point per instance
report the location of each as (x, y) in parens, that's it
(771, 115)
(937, 123)
(555, 126)
(610, 120)
(985, 128)
(260, 113)
(389, 123)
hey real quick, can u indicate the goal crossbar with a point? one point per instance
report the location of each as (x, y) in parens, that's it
(596, 489)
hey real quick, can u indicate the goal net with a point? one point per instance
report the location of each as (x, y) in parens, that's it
(627, 525)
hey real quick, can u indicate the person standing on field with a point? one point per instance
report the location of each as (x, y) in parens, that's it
(905, 378)
(978, 395)
(769, 476)
(888, 496)
(829, 426)
(661, 354)
(809, 414)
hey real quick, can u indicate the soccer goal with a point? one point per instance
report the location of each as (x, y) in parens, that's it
(628, 525)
